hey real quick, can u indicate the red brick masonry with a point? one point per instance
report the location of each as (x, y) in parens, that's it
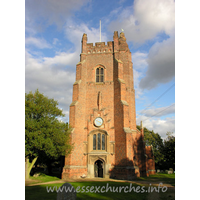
(113, 100)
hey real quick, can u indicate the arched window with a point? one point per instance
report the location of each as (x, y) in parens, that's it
(94, 142)
(99, 141)
(99, 74)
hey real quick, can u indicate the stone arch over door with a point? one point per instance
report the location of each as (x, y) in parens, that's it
(91, 166)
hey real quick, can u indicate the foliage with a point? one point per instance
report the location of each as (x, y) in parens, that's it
(163, 150)
(169, 151)
(156, 141)
(45, 136)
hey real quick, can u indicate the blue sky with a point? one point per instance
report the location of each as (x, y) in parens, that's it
(53, 32)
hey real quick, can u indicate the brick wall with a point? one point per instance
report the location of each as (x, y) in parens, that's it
(124, 143)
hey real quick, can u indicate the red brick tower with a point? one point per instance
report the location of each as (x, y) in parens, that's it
(102, 114)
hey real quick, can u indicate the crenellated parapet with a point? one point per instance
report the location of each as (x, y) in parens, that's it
(118, 44)
(99, 47)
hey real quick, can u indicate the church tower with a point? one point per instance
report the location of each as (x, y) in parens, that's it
(102, 114)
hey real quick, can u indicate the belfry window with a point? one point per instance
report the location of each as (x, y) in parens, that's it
(99, 75)
(99, 141)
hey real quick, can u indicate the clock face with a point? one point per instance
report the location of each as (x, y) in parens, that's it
(98, 121)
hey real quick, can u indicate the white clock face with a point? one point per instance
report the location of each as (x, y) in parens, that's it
(98, 121)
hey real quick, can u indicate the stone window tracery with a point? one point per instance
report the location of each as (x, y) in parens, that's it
(99, 74)
(99, 141)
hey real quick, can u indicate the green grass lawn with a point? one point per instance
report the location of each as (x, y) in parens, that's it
(161, 177)
(40, 192)
(139, 191)
(42, 179)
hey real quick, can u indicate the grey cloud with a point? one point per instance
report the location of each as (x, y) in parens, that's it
(49, 12)
(161, 64)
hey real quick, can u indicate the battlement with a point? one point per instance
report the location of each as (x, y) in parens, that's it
(99, 47)
(118, 44)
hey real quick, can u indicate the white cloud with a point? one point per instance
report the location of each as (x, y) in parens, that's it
(155, 16)
(139, 65)
(137, 75)
(74, 33)
(62, 59)
(55, 41)
(54, 76)
(151, 120)
(146, 19)
(160, 126)
(53, 83)
(139, 60)
(38, 42)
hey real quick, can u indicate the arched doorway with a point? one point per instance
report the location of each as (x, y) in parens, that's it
(98, 168)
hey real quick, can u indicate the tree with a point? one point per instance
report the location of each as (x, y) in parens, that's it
(169, 151)
(154, 139)
(163, 150)
(46, 137)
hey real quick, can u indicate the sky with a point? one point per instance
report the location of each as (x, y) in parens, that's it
(53, 33)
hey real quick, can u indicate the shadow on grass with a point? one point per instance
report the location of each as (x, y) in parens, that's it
(161, 177)
(40, 192)
(42, 178)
